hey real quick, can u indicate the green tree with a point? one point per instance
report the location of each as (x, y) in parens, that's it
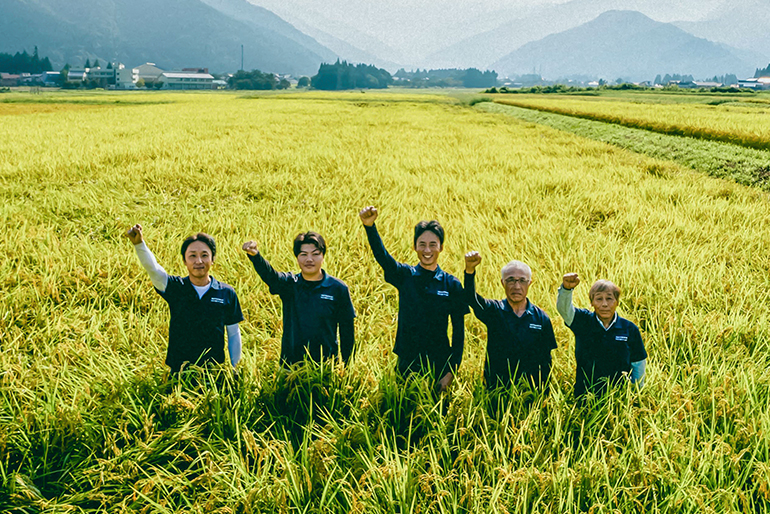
(303, 82)
(88, 63)
(96, 64)
(140, 83)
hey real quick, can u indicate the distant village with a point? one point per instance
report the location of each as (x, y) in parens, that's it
(149, 76)
(118, 76)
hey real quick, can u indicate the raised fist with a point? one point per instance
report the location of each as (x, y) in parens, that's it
(134, 234)
(472, 259)
(250, 247)
(368, 215)
(570, 281)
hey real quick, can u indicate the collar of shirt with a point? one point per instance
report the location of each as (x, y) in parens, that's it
(214, 284)
(529, 310)
(602, 324)
(324, 282)
(420, 271)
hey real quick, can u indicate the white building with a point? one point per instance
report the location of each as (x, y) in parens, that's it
(148, 72)
(186, 80)
(77, 74)
(125, 78)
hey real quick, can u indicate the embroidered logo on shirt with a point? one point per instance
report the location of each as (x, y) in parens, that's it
(621, 338)
(442, 293)
(218, 300)
(535, 326)
(326, 297)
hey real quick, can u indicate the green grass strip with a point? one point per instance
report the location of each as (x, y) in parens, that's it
(746, 166)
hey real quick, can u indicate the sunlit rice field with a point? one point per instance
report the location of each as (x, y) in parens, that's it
(88, 422)
(728, 119)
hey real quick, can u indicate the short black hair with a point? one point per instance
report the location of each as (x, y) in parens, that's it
(429, 226)
(309, 238)
(203, 238)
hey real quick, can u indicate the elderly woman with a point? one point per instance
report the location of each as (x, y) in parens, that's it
(608, 348)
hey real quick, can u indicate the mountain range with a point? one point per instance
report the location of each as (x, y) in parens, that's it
(170, 33)
(628, 45)
(573, 37)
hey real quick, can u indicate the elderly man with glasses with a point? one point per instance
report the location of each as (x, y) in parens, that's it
(519, 334)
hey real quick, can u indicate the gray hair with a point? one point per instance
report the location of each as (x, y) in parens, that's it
(516, 265)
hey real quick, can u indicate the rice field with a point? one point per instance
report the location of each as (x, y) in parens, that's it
(740, 121)
(90, 423)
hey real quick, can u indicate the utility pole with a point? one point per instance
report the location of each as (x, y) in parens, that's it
(241, 57)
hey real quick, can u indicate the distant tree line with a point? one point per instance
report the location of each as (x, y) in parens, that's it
(342, 75)
(256, 80)
(762, 72)
(24, 63)
(666, 79)
(452, 77)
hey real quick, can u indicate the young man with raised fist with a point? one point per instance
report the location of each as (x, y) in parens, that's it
(315, 304)
(428, 298)
(202, 308)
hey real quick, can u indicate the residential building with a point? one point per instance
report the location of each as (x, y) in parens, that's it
(9, 80)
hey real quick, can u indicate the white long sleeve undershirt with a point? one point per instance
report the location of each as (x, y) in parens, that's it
(157, 274)
(564, 305)
(234, 343)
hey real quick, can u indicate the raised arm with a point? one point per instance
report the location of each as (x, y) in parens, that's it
(479, 305)
(158, 275)
(564, 299)
(275, 280)
(388, 264)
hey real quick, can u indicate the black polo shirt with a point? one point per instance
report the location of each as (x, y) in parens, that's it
(312, 312)
(426, 300)
(196, 329)
(518, 345)
(603, 355)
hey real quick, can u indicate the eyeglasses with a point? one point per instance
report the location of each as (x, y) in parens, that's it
(520, 281)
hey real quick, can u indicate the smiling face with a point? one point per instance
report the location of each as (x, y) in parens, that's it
(310, 260)
(198, 259)
(428, 247)
(604, 303)
(516, 282)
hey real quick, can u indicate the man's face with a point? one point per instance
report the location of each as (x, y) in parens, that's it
(310, 259)
(516, 283)
(198, 259)
(428, 247)
(604, 304)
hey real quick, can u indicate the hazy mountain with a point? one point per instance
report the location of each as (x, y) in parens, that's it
(408, 31)
(344, 50)
(484, 48)
(744, 24)
(171, 33)
(332, 23)
(623, 44)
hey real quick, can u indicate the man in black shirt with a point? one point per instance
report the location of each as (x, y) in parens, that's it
(428, 298)
(202, 308)
(315, 304)
(519, 334)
